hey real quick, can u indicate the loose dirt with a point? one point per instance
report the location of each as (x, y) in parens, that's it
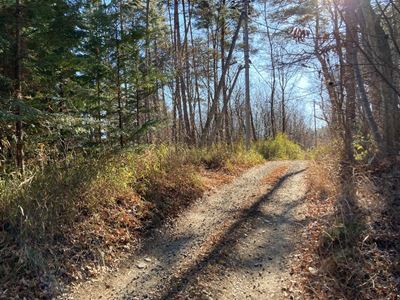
(234, 243)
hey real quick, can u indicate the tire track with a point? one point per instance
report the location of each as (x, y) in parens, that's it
(202, 255)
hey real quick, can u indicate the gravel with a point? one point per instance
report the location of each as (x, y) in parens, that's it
(234, 243)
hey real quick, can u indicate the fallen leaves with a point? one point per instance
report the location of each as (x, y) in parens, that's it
(275, 175)
(355, 261)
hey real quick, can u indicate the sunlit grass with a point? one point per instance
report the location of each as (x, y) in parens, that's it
(281, 147)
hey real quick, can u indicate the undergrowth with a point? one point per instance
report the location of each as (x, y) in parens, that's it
(68, 220)
(281, 147)
(353, 243)
(227, 157)
(71, 218)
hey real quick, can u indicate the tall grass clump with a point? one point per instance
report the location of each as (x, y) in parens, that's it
(60, 195)
(243, 158)
(48, 219)
(281, 147)
(230, 158)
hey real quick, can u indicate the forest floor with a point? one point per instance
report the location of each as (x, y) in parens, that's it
(236, 242)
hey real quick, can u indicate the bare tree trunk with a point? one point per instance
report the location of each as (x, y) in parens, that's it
(315, 125)
(208, 71)
(284, 77)
(365, 104)
(187, 69)
(253, 127)
(118, 86)
(215, 74)
(98, 86)
(210, 116)
(223, 78)
(147, 115)
(379, 54)
(349, 80)
(18, 90)
(283, 112)
(341, 82)
(174, 129)
(282, 84)
(195, 70)
(247, 71)
(329, 79)
(180, 80)
(174, 117)
(273, 74)
(177, 93)
(98, 104)
(218, 121)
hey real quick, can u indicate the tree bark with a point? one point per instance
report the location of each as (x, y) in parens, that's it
(247, 71)
(379, 53)
(180, 79)
(273, 74)
(349, 80)
(118, 85)
(20, 161)
(210, 116)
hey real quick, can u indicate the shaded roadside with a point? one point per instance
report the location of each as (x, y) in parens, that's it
(186, 259)
(353, 246)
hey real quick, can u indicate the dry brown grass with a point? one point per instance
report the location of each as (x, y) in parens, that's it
(69, 223)
(214, 178)
(353, 256)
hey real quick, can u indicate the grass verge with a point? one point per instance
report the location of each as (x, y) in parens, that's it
(353, 243)
(71, 220)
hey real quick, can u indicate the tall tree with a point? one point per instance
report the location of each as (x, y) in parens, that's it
(247, 71)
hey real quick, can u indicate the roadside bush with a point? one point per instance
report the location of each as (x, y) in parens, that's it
(213, 157)
(242, 158)
(226, 157)
(281, 147)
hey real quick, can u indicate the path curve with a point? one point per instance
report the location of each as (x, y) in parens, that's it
(234, 243)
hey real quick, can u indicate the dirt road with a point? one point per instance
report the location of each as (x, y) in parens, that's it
(234, 243)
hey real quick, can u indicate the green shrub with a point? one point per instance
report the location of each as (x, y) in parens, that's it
(241, 157)
(223, 156)
(279, 148)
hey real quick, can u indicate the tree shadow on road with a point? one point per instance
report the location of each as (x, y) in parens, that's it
(230, 237)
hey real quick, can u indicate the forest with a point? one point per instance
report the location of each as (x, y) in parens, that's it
(145, 145)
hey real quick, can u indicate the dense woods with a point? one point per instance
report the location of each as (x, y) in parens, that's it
(85, 75)
(139, 91)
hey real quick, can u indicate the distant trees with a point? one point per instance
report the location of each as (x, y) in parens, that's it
(355, 43)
